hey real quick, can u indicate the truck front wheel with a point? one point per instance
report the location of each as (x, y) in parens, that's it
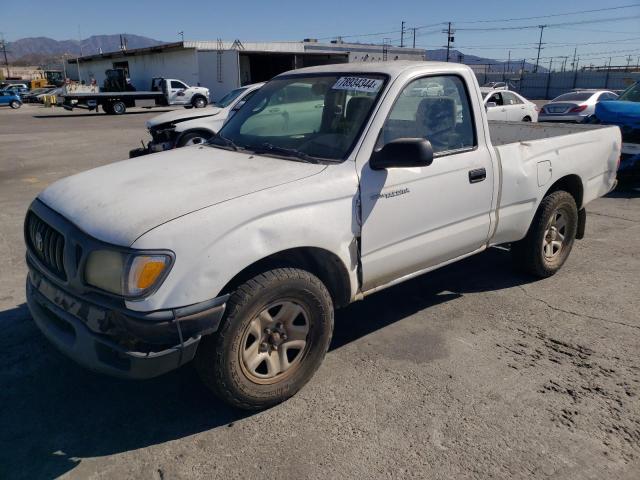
(276, 331)
(199, 101)
(550, 238)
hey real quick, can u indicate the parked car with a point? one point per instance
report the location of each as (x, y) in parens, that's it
(574, 106)
(235, 253)
(32, 96)
(505, 105)
(179, 129)
(496, 85)
(8, 97)
(625, 113)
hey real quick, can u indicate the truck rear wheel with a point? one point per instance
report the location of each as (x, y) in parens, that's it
(276, 331)
(118, 108)
(550, 238)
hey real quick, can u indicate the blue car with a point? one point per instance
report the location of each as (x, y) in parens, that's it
(10, 98)
(625, 113)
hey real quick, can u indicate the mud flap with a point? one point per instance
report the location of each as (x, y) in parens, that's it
(582, 223)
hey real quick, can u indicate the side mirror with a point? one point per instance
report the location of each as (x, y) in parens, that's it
(403, 152)
(490, 104)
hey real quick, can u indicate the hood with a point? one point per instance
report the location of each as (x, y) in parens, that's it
(619, 113)
(182, 115)
(119, 202)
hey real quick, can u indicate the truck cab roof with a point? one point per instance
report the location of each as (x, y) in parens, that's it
(392, 68)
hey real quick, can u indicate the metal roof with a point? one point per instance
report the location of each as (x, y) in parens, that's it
(254, 47)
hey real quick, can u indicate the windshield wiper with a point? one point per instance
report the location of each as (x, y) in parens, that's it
(227, 142)
(290, 152)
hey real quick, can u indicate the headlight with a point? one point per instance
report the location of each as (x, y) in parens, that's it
(126, 274)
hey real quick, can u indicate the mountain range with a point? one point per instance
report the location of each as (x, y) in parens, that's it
(43, 50)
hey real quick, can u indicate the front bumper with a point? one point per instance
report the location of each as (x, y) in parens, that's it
(120, 342)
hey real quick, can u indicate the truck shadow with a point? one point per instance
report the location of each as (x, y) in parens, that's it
(54, 413)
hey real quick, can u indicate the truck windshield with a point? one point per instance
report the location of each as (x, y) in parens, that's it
(631, 94)
(229, 97)
(309, 117)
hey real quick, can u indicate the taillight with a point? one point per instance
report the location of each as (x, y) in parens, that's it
(578, 109)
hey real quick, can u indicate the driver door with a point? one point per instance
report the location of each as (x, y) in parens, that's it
(176, 93)
(499, 111)
(418, 217)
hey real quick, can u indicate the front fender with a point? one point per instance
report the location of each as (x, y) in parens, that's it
(214, 244)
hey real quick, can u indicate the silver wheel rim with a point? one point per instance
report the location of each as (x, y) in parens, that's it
(194, 141)
(118, 108)
(199, 103)
(275, 342)
(554, 235)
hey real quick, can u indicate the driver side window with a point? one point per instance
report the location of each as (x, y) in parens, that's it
(441, 115)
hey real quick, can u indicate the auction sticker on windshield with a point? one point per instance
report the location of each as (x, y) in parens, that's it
(359, 84)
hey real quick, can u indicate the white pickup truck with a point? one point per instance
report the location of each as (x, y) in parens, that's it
(235, 253)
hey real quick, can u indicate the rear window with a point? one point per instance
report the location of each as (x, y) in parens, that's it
(572, 97)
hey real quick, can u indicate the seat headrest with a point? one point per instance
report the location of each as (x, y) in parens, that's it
(437, 113)
(358, 107)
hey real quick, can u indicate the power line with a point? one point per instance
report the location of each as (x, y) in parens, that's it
(551, 25)
(555, 14)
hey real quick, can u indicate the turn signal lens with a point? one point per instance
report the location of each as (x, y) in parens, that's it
(144, 272)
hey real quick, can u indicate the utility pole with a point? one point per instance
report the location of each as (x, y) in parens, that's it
(629, 58)
(509, 62)
(414, 37)
(4, 51)
(402, 35)
(574, 65)
(541, 27)
(181, 33)
(450, 40)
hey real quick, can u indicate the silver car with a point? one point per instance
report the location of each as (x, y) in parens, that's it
(575, 106)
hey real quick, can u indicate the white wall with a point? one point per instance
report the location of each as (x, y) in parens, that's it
(180, 64)
(208, 69)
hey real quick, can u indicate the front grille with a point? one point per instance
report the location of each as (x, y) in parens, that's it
(46, 244)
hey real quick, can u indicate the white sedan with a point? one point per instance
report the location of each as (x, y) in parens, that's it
(506, 105)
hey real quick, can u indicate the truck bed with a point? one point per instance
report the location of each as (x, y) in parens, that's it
(503, 133)
(533, 156)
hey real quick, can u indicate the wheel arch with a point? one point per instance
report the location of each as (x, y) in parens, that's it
(572, 184)
(194, 130)
(322, 263)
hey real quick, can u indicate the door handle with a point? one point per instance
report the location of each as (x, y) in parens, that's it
(477, 175)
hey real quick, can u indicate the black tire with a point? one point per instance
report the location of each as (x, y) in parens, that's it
(194, 138)
(530, 254)
(15, 104)
(118, 108)
(526, 119)
(219, 358)
(107, 108)
(199, 101)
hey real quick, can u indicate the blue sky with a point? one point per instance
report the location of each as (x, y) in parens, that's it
(251, 20)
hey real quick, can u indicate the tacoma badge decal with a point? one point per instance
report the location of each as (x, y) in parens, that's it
(393, 193)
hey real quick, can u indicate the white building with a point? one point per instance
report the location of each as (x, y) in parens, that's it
(223, 66)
